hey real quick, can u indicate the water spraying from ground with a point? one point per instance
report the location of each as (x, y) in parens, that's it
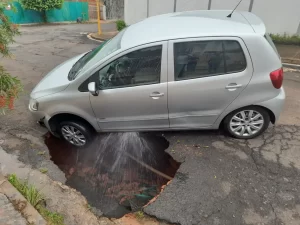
(119, 173)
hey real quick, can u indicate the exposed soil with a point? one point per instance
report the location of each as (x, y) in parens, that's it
(111, 173)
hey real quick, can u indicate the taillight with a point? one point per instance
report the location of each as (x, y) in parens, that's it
(277, 78)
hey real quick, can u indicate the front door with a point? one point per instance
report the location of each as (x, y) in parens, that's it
(205, 76)
(133, 93)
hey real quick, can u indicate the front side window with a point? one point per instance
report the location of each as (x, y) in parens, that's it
(141, 67)
(199, 59)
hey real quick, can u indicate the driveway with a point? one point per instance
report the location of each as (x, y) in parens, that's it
(220, 181)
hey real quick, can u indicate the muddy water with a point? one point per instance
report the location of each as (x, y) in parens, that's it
(111, 173)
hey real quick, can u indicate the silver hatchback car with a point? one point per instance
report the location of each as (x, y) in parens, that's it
(179, 71)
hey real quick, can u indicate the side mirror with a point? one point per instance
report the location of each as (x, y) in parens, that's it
(93, 89)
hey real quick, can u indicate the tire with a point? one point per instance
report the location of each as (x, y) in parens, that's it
(247, 128)
(76, 133)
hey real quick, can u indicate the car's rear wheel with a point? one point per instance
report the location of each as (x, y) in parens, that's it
(76, 133)
(247, 123)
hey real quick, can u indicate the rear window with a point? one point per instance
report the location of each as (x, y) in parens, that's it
(269, 39)
(234, 57)
(198, 59)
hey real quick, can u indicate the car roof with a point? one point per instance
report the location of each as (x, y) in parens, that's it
(202, 23)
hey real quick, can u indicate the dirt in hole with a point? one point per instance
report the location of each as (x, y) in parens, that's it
(118, 173)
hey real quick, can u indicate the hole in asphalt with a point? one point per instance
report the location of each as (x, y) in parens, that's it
(119, 173)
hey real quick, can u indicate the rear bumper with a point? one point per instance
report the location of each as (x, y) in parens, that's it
(275, 104)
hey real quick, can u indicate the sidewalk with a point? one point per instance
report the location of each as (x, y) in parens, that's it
(289, 53)
(14, 208)
(8, 214)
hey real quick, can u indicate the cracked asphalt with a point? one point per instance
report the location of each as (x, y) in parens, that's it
(227, 181)
(221, 181)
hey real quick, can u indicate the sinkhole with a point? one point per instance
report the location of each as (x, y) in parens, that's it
(118, 173)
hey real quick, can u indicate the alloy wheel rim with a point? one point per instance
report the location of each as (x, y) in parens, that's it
(246, 123)
(73, 135)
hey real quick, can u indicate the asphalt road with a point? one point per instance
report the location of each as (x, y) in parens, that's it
(220, 181)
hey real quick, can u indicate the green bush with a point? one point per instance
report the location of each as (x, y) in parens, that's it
(121, 25)
(42, 6)
(10, 87)
(285, 39)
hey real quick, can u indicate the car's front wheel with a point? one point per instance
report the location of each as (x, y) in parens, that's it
(247, 123)
(76, 133)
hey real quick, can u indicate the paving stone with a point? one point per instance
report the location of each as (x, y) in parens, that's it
(8, 214)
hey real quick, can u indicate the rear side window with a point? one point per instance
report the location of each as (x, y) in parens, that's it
(270, 41)
(199, 59)
(234, 57)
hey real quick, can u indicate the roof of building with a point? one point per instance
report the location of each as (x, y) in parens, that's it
(192, 24)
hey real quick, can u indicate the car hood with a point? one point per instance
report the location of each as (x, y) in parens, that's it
(56, 80)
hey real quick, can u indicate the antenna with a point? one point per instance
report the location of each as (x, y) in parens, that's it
(229, 16)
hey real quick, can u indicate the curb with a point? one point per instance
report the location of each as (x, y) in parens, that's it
(20, 203)
(54, 24)
(89, 36)
(66, 23)
(291, 66)
(103, 37)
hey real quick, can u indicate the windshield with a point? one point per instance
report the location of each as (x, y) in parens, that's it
(96, 55)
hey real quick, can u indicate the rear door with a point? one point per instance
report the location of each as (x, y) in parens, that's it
(205, 75)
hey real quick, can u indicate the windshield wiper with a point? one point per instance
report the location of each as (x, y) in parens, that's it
(83, 61)
(75, 68)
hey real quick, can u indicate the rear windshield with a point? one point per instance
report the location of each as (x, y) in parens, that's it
(269, 39)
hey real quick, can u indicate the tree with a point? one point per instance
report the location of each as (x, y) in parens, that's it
(42, 5)
(10, 87)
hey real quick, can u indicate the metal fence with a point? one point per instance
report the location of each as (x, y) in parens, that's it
(70, 11)
(114, 9)
(91, 14)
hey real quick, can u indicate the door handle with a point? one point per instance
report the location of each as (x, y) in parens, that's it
(233, 86)
(156, 95)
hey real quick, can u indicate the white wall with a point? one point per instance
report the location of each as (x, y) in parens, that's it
(157, 7)
(230, 4)
(188, 5)
(280, 16)
(135, 10)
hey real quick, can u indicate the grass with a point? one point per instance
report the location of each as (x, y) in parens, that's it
(285, 39)
(41, 153)
(139, 215)
(28, 191)
(36, 199)
(89, 207)
(52, 218)
(43, 170)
